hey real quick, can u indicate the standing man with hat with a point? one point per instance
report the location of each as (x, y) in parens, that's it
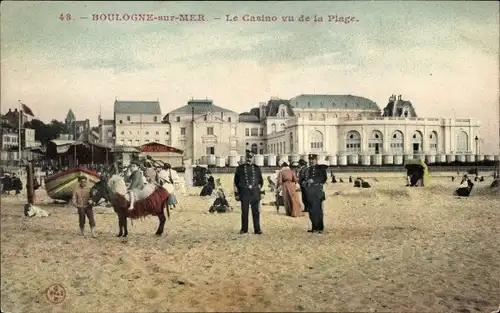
(247, 183)
(314, 177)
(300, 174)
(81, 200)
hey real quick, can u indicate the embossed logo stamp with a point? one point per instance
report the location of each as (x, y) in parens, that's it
(56, 293)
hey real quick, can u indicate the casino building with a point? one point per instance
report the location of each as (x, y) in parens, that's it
(341, 129)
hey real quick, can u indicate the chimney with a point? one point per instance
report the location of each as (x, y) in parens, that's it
(399, 97)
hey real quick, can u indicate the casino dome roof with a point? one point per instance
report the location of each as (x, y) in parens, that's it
(333, 102)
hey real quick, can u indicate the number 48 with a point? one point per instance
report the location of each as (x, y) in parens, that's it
(65, 17)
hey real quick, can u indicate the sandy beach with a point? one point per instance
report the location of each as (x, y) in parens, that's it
(390, 248)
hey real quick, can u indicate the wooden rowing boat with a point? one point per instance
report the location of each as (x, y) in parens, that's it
(60, 186)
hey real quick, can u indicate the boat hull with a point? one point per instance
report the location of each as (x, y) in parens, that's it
(60, 186)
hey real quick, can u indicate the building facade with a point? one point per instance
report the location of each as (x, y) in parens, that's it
(322, 124)
(9, 138)
(137, 123)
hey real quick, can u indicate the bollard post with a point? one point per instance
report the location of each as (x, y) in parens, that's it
(30, 192)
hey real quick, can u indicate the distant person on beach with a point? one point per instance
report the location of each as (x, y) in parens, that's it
(247, 184)
(81, 200)
(220, 204)
(16, 183)
(301, 174)
(314, 179)
(287, 181)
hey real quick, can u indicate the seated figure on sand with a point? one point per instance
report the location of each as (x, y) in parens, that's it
(465, 188)
(334, 179)
(209, 185)
(220, 204)
(360, 183)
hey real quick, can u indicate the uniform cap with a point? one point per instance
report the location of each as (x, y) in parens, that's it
(313, 156)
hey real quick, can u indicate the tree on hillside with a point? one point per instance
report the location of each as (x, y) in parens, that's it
(46, 132)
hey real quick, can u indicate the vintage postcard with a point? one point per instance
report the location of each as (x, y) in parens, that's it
(326, 156)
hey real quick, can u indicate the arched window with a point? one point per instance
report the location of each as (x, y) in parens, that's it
(433, 142)
(417, 142)
(254, 148)
(282, 126)
(397, 142)
(353, 142)
(376, 142)
(273, 128)
(291, 142)
(462, 142)
(311, 117)
(316, 141)
(322, 117)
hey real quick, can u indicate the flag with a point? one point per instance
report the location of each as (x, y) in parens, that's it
(27, 110)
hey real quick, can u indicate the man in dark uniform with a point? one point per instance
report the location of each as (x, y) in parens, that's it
(247, 183)
(314, 178)
(301, 172)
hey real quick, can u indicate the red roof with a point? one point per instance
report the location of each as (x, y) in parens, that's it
(158, 147)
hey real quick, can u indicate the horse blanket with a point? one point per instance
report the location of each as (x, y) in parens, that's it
(152, 205)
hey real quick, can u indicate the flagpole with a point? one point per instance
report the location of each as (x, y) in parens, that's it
(19, 138)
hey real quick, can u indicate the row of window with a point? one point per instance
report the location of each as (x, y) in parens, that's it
(273, 127)
(254, 132)
(322, 117)
(138, 133)
(9, 139)
(138, 143)
(155, 119)
(178, 119)
(333, 104)
(277, 148)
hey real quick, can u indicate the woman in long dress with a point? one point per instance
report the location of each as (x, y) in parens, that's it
(287, 180)
(167, 178)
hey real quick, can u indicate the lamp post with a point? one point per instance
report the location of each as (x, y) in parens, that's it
(477, 145)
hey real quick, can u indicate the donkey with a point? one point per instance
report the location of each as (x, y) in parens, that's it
(151, 201)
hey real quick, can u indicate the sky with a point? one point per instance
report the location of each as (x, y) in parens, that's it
(442, 56)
